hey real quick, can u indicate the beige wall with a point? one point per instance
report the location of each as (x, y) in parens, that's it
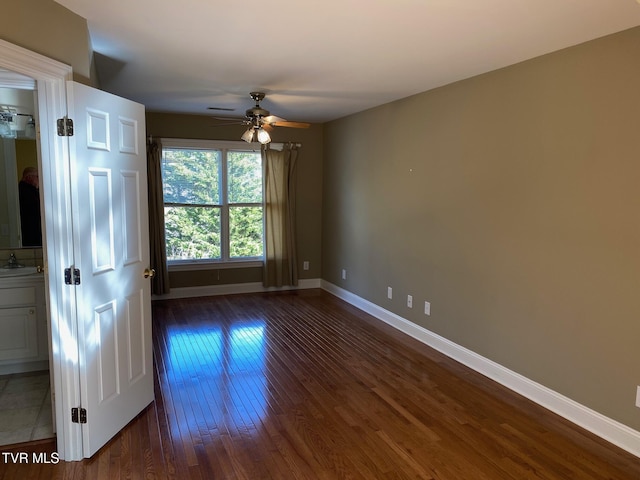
(511, 202)
(309, 198)
(49, 29)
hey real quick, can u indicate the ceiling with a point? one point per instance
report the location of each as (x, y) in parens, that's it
(322, 60)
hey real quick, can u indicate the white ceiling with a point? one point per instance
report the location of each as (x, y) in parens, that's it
(321, 60)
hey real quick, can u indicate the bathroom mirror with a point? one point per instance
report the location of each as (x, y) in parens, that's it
(18, 152)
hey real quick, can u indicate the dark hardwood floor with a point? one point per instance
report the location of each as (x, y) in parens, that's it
(303, 386)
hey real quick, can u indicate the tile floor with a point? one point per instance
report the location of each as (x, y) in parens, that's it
(25, 407)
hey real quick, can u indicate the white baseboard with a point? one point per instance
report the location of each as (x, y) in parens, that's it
(605, 427)
(232, 288)
(39, 365)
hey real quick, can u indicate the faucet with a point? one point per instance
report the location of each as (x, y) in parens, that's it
(13, 262)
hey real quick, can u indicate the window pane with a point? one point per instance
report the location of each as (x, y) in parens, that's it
(191, 176)
(244, 171)
(192, 232)
(245, 232)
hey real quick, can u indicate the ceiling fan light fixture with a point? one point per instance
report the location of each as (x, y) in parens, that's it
(263, 136)
(248, 135)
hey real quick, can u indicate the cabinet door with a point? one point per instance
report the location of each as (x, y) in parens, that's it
(18, 334)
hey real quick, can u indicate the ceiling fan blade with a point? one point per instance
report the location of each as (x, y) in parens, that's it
(229, 119)
(228, 124)
(273, 119)
(291, 124)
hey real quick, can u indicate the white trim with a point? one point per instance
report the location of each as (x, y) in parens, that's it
(233, 288)
(25, 367)
(192, 265)
(221, 144)
(208, 144)
(605, 427)
(10, 79)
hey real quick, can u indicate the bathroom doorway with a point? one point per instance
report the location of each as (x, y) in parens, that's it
(26, 400)
(77, 165)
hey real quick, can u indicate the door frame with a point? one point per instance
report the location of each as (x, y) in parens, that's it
(51, 77)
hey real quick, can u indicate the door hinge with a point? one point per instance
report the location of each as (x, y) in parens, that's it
(65, 127)
(72, 276)
(79, 415)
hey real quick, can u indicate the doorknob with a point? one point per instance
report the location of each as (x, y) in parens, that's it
(149, 273)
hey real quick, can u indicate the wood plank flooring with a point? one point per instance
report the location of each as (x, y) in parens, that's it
(303, 386)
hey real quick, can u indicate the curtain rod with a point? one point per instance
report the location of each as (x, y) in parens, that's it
(202, 142)
(282, 144)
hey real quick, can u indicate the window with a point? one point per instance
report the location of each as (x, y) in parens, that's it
(212, 201)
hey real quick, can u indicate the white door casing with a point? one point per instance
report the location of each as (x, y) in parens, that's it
(111, 252)
(50, 77)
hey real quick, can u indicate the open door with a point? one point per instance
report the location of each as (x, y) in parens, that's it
(111, 262)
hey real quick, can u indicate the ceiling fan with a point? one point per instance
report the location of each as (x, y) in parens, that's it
(258, 120)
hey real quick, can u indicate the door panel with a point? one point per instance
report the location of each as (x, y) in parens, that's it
(131, 209)
(111, 249)
(101, 211)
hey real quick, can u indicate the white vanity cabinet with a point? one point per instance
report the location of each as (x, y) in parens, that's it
(23, 327)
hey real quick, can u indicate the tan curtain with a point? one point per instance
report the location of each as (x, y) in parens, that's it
(279, 168)
(158, 251)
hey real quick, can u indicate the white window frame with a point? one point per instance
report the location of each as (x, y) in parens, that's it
(224, 261)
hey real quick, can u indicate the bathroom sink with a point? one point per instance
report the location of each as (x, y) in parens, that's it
(17, 272)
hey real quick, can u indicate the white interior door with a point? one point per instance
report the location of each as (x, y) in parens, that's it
(111, 252)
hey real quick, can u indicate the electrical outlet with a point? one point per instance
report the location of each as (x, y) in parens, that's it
(305, 265)
(638, 397)
(409, 301)
(344, 274)
(427, 308)
(389, 293)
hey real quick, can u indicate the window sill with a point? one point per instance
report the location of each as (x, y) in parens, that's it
(186, 266)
